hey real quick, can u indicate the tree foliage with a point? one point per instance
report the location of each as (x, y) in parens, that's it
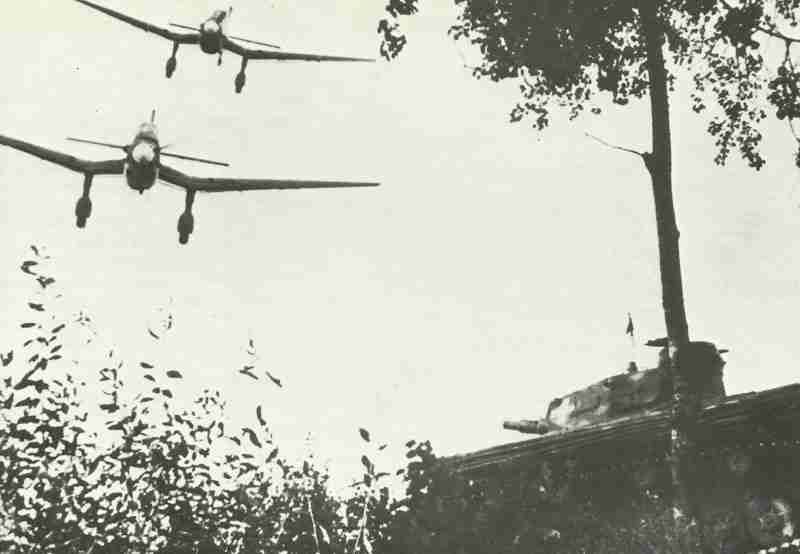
(133, 473)
(565, 54)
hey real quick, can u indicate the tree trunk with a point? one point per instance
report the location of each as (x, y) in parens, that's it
(659, 164)
(686, 403)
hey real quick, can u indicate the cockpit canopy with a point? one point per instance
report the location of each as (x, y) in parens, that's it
(148, 131)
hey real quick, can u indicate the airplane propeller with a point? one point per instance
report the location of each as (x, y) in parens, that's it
(268, 45)
(187, 27)
(191, 159)
(123, 147)
(197, 29)
(161, 149)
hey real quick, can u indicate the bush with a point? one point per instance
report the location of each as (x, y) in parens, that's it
(135, 474)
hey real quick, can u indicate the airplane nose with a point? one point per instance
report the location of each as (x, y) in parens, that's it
(211, 27)
(143, 153)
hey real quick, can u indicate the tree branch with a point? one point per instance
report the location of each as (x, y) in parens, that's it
(793, 130)
(614, 146)
(362, 524)
(777, 34)
(313, 522)
(766, 30)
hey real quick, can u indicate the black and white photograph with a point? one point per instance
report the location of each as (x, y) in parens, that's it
(400, 277)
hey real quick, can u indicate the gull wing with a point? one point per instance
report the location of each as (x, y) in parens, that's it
(210, 184)
(107, 167)
(258, 54)
(183, 38)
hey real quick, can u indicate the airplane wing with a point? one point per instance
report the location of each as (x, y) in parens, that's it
(210, 184)
(257, 54)
(183, 38)
(107, 167)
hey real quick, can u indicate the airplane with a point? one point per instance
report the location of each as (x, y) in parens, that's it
(212, 38)
(142, 167)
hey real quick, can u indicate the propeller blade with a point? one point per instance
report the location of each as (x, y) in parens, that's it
(123, 147)
(189, 27)
(268, 45)
(192, 159)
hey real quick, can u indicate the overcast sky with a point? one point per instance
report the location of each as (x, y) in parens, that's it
(492, 271)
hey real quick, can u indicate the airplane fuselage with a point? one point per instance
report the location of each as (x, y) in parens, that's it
(142, 160)
(211, 33)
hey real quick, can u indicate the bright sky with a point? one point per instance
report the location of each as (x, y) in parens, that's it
(491, 271)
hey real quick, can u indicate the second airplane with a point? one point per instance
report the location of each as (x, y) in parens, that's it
(212, 38)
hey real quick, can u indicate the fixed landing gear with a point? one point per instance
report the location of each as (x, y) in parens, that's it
(172, 62)
(83, 208)
(240, 77)
(185, 227)
(186, 220)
